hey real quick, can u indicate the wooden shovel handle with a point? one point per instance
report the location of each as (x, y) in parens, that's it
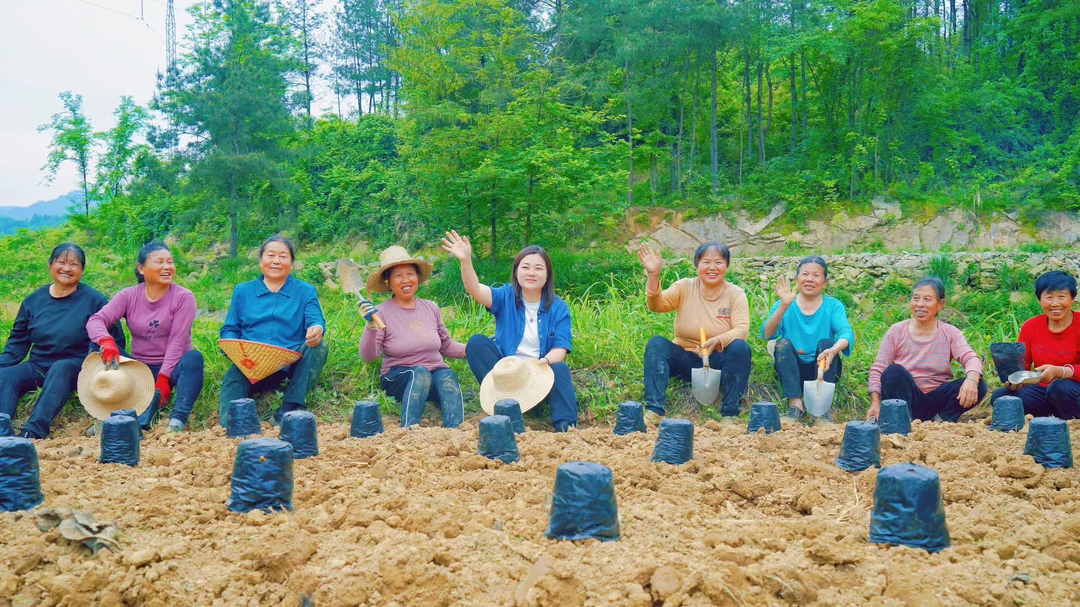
(375, 317)
(378, 321)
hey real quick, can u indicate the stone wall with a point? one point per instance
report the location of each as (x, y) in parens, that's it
(885, 228)
(982, 270)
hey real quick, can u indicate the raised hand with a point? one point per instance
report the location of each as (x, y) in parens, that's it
(458, 246)
(783, 290)
(649, 258)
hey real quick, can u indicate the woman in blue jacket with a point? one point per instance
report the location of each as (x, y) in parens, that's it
(530, 322)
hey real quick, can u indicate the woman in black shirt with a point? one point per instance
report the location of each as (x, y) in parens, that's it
(51, 328)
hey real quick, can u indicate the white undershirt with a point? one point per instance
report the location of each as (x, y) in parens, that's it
(530, 341)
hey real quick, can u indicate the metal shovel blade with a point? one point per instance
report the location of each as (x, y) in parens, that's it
(818, 396)
(706, 384)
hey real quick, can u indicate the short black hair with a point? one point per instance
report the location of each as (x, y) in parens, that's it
(68, 247)
(813, 259)
(278, 238)
(933, 282)
(1055, 281)
(712, 245)
(144, 252)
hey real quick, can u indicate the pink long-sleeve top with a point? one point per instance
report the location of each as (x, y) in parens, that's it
(929, 362)
(160, 330)
(413, 338)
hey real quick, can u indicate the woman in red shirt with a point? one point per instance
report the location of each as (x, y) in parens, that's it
(1052, 340)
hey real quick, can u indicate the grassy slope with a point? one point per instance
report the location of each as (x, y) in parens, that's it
(611, 323)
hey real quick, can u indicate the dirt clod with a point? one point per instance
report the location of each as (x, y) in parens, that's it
(417, 518)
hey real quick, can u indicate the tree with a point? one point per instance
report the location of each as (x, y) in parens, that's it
(73, 140)
(230, 97)
(303, 20)
(114, 167)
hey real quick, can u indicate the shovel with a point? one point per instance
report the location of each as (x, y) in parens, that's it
(705, 381)
(818, 395)
(351, 281)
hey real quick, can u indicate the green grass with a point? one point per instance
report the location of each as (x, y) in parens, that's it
(606, 296)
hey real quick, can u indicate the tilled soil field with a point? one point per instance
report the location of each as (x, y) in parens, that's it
(415, 517)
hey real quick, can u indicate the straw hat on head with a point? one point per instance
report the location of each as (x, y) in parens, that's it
(522, 379)
(102, 391)
(257, 361)
(396, 256)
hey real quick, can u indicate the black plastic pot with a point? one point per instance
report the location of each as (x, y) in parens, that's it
(497, 439)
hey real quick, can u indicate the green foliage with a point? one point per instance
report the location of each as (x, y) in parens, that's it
(1014, 278)
(73, 140)
(115, 167)
(944, 267)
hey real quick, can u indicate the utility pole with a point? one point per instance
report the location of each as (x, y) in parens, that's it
(170, 37)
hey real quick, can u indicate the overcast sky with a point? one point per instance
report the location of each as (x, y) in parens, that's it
(100, 49)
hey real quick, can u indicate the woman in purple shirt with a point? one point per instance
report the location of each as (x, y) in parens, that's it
(414, 342)
(159, 314)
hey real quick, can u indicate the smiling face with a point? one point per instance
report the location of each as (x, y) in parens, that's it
(712, 268)
(276, 261)
(66, 270)
(532, 273)
(811, 279)
(1056, 304)
(925, 304)
(404, 280)
(159, 268)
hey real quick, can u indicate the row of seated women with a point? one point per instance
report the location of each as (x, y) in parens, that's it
(60, 323)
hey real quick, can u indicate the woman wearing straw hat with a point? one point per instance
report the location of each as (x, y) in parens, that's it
(532, 335)
(709, 303)
(50, 335)
(277, 309)
(159, 315)
(414, 342)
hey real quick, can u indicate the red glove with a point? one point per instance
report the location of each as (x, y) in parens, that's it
(162, 386)
(110, 354)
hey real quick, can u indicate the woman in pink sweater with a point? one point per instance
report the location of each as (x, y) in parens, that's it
(159, 315)
(414, 342)
(914, 362)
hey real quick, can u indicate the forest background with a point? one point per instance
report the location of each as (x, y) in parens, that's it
(558, 122)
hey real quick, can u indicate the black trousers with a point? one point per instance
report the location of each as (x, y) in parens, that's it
(944, 400)
(792, 371)
(1060, 399)
(665, 360)
(482, 353)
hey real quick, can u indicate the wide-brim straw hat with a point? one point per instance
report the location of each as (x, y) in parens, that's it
(396, 256)
(102, 391)
(256, 360)
(522, 379)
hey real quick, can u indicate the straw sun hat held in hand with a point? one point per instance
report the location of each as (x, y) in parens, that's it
(102, 390)
(522, 379)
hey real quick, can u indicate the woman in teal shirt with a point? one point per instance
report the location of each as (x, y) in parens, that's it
(814, 328)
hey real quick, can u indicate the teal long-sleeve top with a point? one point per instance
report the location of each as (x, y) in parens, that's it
(279, 319)
(829, 322)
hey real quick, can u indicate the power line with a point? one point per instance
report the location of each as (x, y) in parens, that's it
(112, 10)
(135, 17)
